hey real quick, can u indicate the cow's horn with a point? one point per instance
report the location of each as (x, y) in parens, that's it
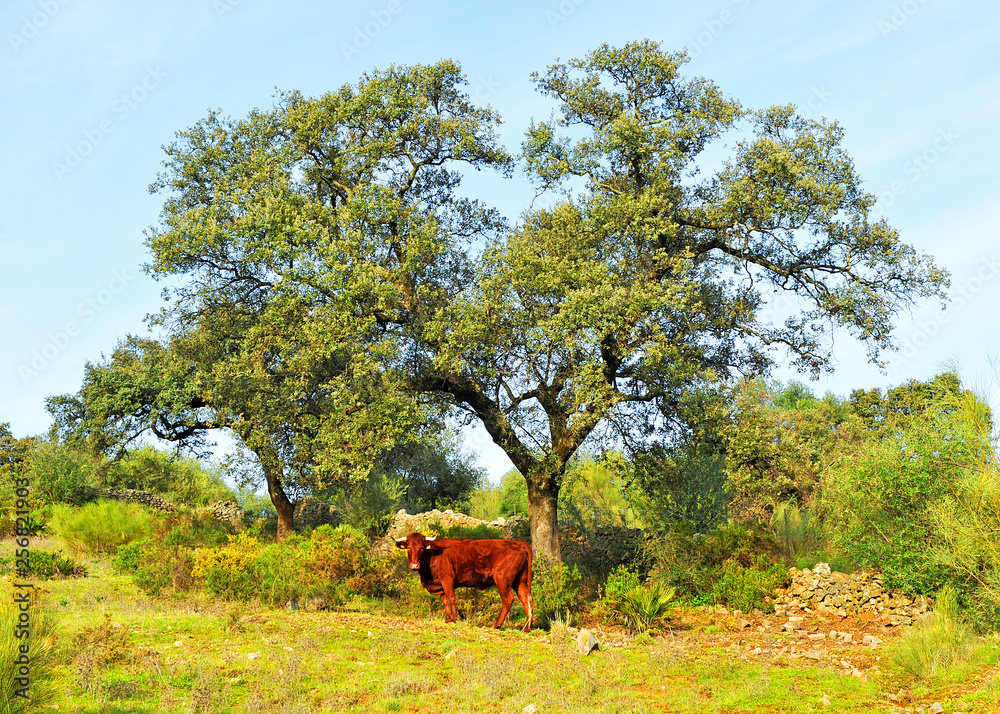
(401, 540)
(430, 538)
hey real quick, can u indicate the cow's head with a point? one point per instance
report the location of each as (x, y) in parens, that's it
(415, 544)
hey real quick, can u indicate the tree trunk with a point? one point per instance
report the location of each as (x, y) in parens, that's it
(284, 507)
(543, 498)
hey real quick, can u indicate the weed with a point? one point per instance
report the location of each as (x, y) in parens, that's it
(936, 648)
(100, 527)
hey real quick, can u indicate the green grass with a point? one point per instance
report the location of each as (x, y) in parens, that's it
(198, 655)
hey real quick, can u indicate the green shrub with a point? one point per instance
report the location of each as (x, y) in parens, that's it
(797, 531)
(735, 566)
(480, 532)
(620, 580)
(46, 564)
(41, 653)
(100, 527)
(936, 648)
(746, 579)
(59, 473)
(641, 607)
(554, 589)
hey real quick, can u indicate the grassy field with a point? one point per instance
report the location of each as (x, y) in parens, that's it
(119, 651)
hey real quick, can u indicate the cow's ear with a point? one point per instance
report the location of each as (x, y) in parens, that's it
(401, 543)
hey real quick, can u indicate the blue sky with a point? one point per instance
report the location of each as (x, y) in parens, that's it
(92, 89)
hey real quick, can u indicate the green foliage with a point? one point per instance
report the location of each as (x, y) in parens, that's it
(733, 566)
(165, 559)
(435, 471)
(47, 564)
(745, 579)
(479, 532)
(879, 502)
(370, 504)
(797, 531)
(935, 648)
(683, 484)
(183, 480)
(59, 473)
(637, 605)
(100, 527)
(554, 587)
(41, 653)
(619, 580)
(642, 607)
(594, 493)
(777, 443)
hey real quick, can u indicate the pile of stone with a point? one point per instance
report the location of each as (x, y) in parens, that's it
(229, 511)
(312, 512)
(404, 523)
(144, 498)
(823, 591)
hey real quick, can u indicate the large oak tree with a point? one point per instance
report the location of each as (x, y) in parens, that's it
(323, 246)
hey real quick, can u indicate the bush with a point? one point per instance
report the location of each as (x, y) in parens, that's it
(935, 648)
(745, 580)
(165, 559)
(41, 653)
(60, 473)
(637, 606)
(100, 527)
(879, 503)
(554, 589)
(735, 566)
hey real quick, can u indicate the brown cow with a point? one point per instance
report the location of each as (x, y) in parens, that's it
(447, 563)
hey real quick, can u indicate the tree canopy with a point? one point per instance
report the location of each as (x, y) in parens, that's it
(333, 287)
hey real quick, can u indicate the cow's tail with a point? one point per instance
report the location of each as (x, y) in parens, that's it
(531, 599)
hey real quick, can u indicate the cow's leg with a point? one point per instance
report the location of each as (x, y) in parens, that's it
(450, 609)
(524, 595)
(507, 598)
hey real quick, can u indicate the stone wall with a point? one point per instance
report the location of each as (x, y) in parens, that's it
(145, 498)
(821, 590)
(229, 511)
(312, 512)
(603, 549)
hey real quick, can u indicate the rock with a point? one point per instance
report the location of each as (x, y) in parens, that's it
(743, 624)
(936, 708)
(586, 642)
(813, 654)
(530, 709)
(817, 636)
(292, 604)
(824, 701)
